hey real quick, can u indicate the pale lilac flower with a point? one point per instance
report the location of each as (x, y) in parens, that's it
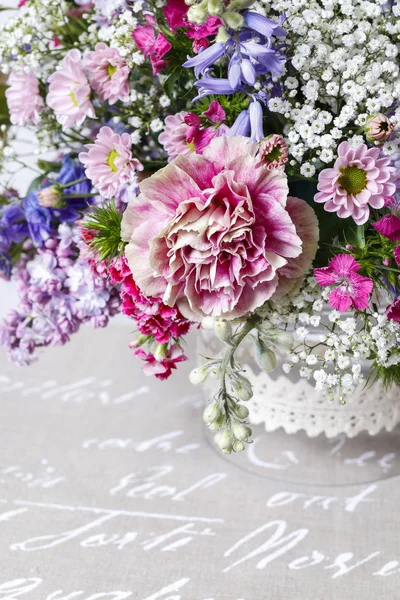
(351, 289)
(217, 234)
(359, 179)
(23, 98)
(109, 162)
(108, 73)
(69, 92)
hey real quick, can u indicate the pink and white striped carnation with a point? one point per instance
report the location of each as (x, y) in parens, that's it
(217, 235)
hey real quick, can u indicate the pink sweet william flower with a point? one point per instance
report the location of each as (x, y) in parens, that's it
(109, 162)
(389, 227)
(108, 73)
(69, 92)
(393, 311)
(359, 179)
(351, 289)
(217, 234)
(175, 13)
(23, 98)
(152, 47)
(162, 369)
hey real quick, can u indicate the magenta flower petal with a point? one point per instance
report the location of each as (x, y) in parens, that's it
(388, 226)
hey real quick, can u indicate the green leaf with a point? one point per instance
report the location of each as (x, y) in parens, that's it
(36, 183)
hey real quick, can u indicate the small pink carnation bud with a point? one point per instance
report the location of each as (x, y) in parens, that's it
(378, 128)
(386, 262)
(52, 197)
(274, 152)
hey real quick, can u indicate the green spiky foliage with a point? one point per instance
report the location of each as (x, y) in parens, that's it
(103, 225)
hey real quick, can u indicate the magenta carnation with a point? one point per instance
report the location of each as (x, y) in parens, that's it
(23, 98)
(108, 73)
(389, 227)
(393, 311)
(351, 289)
(152, 316)
(217, 234)
(359, 179)
(69, 92)
(152, 46)
(109, 162)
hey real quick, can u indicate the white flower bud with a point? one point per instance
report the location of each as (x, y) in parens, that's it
(223, 329)
(242, 387)
(242, 412)
(220, 423)
(197, 376)
(224, 441)
(240, 4)
(234, 20)
(215, 7)
(222, 36)
(197, 14)
(265, 358)
(238, 446)
(284, 339)
(211, 413)
(241, 431)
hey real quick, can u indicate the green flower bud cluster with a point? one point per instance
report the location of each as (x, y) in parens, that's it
(230, 14)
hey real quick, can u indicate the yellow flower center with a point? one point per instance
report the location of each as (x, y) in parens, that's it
(191, 146)
(111, 70)
(74, 102)
(111, 160)
(353, 180)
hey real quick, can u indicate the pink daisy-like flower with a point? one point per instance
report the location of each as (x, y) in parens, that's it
(69, 92)
(351, 289)
(274, 152)
(23, 98)
(359, 179)
(109, 162)
(217, 234)
(173, 138)
(108, 73)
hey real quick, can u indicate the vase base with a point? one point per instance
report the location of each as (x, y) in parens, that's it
(319, 461)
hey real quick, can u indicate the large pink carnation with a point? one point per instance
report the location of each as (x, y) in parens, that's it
(217, 234)
(108, 73)
(359, 179)
(23, 98)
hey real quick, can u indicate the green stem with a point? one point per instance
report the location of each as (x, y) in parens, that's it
(71, 183)
(66, 196)
(237, 339)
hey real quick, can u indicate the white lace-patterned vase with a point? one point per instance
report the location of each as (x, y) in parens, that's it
(281, 401)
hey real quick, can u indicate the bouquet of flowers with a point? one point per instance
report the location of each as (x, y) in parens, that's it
(225, 164)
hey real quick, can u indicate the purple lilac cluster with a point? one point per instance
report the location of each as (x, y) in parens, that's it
(59, 291)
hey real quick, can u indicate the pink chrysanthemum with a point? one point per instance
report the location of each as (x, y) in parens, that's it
(359, 179)
(173, 138)
(109, 162)
(69, 92)
(108, 73)
(23, 98)
(351, 288)
(274, 152)
(217, 234)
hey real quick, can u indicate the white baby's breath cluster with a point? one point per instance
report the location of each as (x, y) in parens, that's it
(25, 39)
(114, 29)
(331, 349)
(345, 58)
